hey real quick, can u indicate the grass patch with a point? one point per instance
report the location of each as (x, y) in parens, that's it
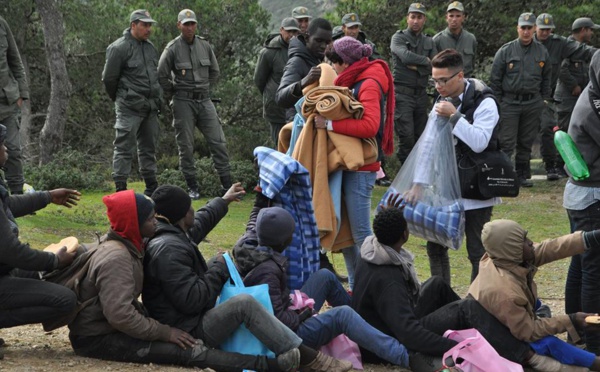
(539, 209)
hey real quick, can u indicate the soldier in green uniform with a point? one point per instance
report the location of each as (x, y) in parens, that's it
(559, 48)
(13, 91)
(457, 38)
(131, 81)
(412, 52)
(269, 70)
(520, 77)
(572, 78)
(351, 26)
(301, 15)
(187, 70)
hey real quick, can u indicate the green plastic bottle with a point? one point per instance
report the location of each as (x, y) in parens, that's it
(571, 155)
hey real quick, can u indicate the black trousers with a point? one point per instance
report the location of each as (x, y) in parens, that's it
(464, 314)
(123, 348)
(30, 301)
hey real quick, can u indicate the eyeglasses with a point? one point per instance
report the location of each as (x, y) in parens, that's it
(443, 81)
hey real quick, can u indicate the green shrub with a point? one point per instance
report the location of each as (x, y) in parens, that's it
(71, 169)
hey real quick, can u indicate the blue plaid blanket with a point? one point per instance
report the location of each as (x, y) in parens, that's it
(287, 183)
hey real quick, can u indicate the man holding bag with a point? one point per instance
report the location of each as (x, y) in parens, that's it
(473, 112)
(181, 290)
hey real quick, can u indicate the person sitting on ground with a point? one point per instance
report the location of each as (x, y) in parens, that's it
(389, 296)
(505, 287)
(181, 290)
(260, 261)
(114, 326)
(23, 299)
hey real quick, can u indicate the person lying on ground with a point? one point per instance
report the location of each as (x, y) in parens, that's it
(260, 261)
(181, 290)
(506, 288)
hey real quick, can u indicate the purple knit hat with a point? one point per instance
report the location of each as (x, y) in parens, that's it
(351, 50)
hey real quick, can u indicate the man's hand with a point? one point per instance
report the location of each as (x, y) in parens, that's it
(65, 197)
(20, 102)
(580, 323)
(65, 258)
(320, 122)
(576, 91)
(235, 193)
(444, 108)
(313, 75)
(394, 200)
(413, 195)
(181, 338)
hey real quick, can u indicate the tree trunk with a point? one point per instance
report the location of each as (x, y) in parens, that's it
(51, 135)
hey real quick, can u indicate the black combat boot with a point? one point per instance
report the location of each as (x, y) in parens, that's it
(522, 174)
(151, 185)
(193, 190)
(120, 186)
(225, 183)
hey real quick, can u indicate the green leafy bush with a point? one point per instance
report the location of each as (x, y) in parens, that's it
(71, 169)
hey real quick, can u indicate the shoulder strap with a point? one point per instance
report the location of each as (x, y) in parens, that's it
(233, 272)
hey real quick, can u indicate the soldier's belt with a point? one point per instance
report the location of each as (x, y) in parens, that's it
(407, 90)
(521, 97)
(192, 95)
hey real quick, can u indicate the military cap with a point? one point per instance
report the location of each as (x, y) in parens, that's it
(351, 19)
(300, 12)
(417, 8)
(186, 16)
(545, 21)
(290, 24)
(456, 5)
(141, 15)
(527, 19)
(584, 22)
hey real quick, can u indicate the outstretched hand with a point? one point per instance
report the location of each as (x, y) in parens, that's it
(235, 193)
(65, 197)
(65, 258)
(394, 200)
(181, 338)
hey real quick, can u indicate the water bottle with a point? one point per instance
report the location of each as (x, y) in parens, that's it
(571, 155)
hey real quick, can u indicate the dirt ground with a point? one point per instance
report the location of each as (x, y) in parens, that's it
(29, 348)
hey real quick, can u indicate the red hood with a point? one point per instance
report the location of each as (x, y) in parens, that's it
(121, 210)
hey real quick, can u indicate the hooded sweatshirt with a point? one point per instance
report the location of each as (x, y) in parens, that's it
(115, 278)
(505, 285)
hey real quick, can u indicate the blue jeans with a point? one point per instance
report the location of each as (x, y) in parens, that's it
(324, 286)
(321, 329)
(357, 188)
(582, 292)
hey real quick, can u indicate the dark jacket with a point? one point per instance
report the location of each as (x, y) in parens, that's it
(267, 76)
(13, 253)
(130, 75)
(298, 65)
(262, 265)
(574, 71)
(178, 286)
(381, 296)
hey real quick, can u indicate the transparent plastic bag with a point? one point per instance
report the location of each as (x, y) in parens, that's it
(428, 182)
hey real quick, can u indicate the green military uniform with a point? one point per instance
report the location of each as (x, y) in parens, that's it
(465, 43)
(14, 86)
(573, 72)
(411, 55)
(186, 73)
(267, 76)
(520, 78)
(558, 48)
(131, 80)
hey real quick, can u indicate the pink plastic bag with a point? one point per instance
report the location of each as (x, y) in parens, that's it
(300, 300)
(343, 348)
(474, 354)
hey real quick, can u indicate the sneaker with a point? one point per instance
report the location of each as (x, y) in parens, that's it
(194, 193)
(420, 362)
(561, 172)
(543, 311)
(385, 182)
(524, 182)
(552, 174)
(325, 363)
(289, 361)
